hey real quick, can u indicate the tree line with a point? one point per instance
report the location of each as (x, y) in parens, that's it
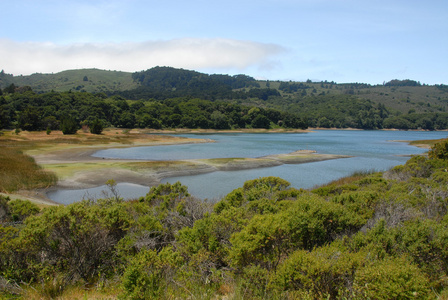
(70, 110)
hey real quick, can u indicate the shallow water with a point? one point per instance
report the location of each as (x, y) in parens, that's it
(371, 150)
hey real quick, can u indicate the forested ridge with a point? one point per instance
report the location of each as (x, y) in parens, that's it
(400, 104)
(70, 110)
(367, 236)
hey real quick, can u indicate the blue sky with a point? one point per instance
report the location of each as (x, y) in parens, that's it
(335, 40)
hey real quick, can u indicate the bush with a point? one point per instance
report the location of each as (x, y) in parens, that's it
(79, 239)
(391, 278)
(96, 127)
(69, 126)
(149, 274)
(439, 150)
(325, 273)
(21, 209)
(308, 222)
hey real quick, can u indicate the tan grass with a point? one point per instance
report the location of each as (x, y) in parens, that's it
(20, 171)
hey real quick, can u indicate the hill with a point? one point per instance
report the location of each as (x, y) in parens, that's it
(403, 104)
(87, 80)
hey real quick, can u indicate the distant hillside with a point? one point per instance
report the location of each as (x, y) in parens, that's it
(394, 104)
(88, 80)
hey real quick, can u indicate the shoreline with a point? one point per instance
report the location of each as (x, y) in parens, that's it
(150, 173)
(81, 170)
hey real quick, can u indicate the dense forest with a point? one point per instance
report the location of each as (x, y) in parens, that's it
(367, 236)
(26, 110)
(164, 97)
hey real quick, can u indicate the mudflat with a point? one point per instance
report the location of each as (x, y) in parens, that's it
(70, 157)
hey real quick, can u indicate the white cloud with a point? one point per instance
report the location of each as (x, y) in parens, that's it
(190, 53)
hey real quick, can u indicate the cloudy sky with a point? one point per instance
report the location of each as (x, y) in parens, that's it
(336, 40)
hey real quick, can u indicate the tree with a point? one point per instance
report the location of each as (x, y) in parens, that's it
(69, 125)
(220, 120)
(30, 119)
(96, 127)
(261, 121)
(10, 89)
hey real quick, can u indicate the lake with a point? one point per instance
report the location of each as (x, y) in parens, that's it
(371, 150)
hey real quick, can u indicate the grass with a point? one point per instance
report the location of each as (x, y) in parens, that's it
(98, 81)
(428, 143)
(355, 176)
(20, 171)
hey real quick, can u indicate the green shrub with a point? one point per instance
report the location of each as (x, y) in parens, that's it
(391, 278)
(439, 150)
(21, 209)
(96, 127)
(325, 273)
(149, 274)
(78, 239)
(69, 126)
(308, 222)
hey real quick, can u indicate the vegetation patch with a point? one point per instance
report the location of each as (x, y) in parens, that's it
(20, 171)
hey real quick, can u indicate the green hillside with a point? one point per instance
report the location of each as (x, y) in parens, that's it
(88, 80)
(402, 104)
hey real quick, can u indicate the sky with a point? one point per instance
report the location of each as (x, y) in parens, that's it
(368, 41)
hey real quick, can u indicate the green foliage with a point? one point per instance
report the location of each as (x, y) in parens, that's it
(256, 189)
(79, 239)
(69, 125)
(150, 273)
(402, 104)
(439, 150)
(326, 272)
(96, 127)
(21, 209)
(167, 196)
(4, 208)
(391, 278)
(62, 110)
(308, 222)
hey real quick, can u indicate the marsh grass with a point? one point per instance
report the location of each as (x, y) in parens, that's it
(355, 176)
(428, 143)
(20, 171)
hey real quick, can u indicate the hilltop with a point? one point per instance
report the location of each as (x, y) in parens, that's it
(88, 80)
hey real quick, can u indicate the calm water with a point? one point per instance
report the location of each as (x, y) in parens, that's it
(371, 150)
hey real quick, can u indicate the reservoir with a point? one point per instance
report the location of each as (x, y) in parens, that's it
(370, 150)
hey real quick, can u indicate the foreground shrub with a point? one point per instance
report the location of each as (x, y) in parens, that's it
(22, 209)
(308, 222)
(149, 274)
(439, 150)
(78, 240)
(391, 278)
(326, 272)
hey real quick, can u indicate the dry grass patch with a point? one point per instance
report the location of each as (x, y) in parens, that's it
(20, 171)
